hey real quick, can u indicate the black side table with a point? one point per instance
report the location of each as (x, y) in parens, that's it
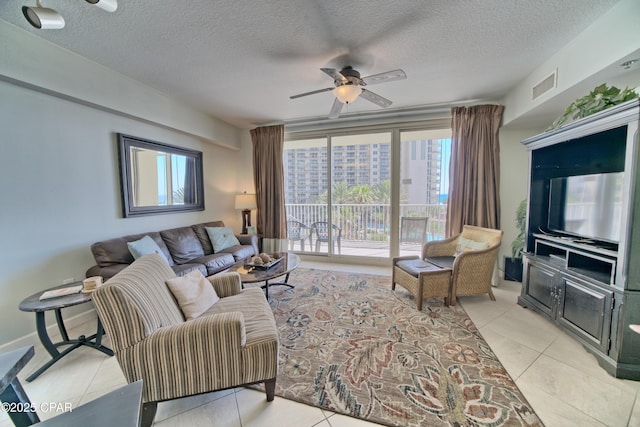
(15, 400)
(56, 304)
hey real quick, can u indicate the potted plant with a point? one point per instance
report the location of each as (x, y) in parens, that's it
(513, 265)
(600, 98)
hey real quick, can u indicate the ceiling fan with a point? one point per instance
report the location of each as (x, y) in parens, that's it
(348, 86)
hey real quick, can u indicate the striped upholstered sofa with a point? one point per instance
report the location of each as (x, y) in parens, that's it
(233, 343)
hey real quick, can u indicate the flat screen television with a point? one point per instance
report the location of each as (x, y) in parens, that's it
(587, 206)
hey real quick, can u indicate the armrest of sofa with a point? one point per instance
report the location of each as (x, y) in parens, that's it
(106, 272)
(193, 357)
(249, 239)
(226, 284)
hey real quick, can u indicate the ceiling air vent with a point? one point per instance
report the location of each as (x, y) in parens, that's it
(544, 86)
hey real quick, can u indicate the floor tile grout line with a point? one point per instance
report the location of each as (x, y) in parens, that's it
(566, 403)
(235, 396)
(633, 406)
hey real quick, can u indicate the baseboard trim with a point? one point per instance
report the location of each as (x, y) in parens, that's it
(52, 330)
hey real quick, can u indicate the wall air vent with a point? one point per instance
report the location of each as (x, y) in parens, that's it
(544, 86)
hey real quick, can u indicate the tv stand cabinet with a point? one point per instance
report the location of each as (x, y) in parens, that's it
(590, 290)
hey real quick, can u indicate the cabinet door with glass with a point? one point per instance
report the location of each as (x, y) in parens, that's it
(541, 288)
(585, 310)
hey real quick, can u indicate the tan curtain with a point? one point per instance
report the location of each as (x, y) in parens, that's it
(268, 176)
(474, 172)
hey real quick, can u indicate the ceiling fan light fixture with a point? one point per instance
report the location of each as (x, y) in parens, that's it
(43, 17)
(347, 93)
(108, 5)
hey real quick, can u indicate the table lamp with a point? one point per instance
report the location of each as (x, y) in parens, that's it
(246, 202)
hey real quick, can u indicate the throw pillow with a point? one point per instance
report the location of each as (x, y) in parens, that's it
(144, 246)
(194, 293)
(465, 245)
(221, 238)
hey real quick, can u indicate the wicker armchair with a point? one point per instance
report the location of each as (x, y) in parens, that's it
(443, 272)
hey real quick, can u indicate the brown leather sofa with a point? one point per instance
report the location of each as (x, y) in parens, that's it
(186, 249)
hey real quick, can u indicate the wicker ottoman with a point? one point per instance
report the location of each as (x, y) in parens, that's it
(422, 279)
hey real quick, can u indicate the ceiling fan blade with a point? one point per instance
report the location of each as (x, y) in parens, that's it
(335, 74)
(336, 108)
(313, 92)
(389, 76)
(375, 98)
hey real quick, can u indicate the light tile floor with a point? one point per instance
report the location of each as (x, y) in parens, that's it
(563, 382)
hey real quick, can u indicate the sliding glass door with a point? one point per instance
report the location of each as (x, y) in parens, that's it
(424, 187)
(371, 194)
(306, 182)
(361, 194)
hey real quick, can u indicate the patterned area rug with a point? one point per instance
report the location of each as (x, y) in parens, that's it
(351, 345)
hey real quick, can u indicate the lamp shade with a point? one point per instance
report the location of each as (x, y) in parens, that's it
(347, 93)
(246, 201)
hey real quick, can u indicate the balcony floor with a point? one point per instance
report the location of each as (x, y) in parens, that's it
(361, 248)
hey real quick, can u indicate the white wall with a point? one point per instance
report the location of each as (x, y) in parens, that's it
(60, 192)
(589, 60)
(33, 62)
(514, 164)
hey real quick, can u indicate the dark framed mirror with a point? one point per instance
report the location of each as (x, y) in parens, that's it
(158, 178)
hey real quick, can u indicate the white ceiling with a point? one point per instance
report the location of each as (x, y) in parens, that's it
(240, 60)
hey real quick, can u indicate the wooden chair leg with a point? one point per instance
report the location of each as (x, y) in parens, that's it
(148, 413)
(270, 388)
(493, 297)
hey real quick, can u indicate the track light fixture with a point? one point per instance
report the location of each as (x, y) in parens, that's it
(43, 17)
(48, 19)
(108, 5)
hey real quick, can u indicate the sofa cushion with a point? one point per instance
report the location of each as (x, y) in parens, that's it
(240, 252)
(144, 246)
(116, 251)
(194, 293)
(203, 236)
(182, 269)
(215, 263)
(221, 238)
(183, 244)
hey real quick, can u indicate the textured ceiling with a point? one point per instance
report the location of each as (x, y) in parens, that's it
(240, 60)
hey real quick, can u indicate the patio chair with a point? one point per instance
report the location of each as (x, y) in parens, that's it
(460, 265)
(413, 229)
(321, 230)
(298, 232)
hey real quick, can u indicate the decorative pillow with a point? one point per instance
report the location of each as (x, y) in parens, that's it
(465, 245)
(194, 293)
(144, 246)
(221, 238)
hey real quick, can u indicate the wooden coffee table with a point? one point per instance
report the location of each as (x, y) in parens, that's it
(250, 274)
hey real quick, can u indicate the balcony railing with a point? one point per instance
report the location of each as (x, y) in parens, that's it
(369, 222)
